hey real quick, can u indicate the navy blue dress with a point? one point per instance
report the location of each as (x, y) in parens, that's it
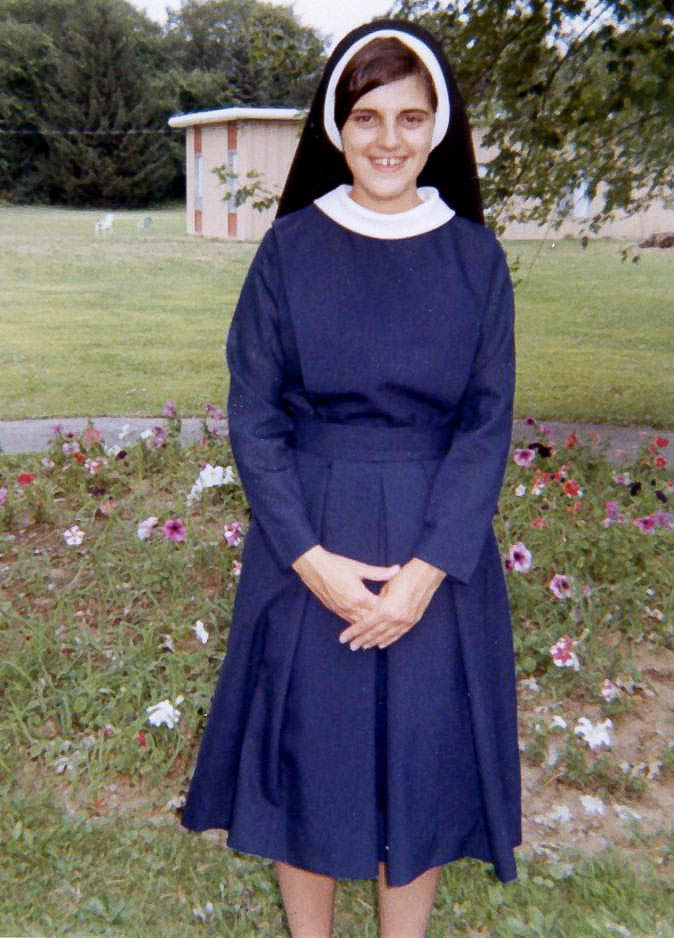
(370, 411)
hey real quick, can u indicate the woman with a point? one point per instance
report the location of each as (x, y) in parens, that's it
(364, 720)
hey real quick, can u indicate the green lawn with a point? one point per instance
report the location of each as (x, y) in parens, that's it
(117, 325)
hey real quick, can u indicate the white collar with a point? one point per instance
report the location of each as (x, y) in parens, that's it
(431, 213)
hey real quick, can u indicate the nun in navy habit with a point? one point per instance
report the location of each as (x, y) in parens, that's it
(364, 721)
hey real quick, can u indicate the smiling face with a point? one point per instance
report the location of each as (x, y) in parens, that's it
(387, 139)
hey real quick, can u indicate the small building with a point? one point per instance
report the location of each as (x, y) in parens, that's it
(253, 148)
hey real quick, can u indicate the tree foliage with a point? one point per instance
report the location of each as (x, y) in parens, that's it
(87, 86)
(575, 96)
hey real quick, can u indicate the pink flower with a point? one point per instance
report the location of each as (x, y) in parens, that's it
(56, 429)
(25, 478)
(622, 478)
(519, 559)
(174, 530)
(611, 508)
(3, 496)
(609, 691)
(236, 568)
(92, 466)
(660, 462)
(647, 524)
(145, 528)
(663, 519)
(91, 437)
(141, 738)
(539, 523)
(71, 447)
(47, 463)
(233, 533)
(170, 409)
(571, 440)
(524, 457)
(563, 655)
(560, 586)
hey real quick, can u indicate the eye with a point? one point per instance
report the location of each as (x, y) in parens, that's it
(413, 120)
(362, 118)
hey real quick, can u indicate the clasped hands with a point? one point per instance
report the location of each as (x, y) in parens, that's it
(375, 619)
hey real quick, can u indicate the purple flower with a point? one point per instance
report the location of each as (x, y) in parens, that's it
(174, 530)
(524, 457)
(663, 519)
(560, 586)
(3, 496)
(519, 559)
(647, 524)
(170, 409)
(612, 508)
(233, 533)
(56, 429)
(214, 412)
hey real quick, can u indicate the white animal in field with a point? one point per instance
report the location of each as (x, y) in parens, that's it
(104, 224)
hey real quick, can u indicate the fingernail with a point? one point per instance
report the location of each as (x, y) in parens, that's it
(354, 646)
(342, 639)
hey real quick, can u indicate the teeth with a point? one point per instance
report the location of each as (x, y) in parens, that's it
(389, 161)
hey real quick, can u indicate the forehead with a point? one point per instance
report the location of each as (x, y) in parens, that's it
(409, 93)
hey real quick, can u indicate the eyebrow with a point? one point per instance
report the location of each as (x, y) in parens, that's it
(407, 110)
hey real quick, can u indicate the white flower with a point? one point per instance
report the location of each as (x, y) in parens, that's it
(595, 735)
(73, 536)
(200, 631)
(145, 435)
(144, 530)
(126, 430)
(609, 691)
(625, 813)
(530, 684)
(558, 722)
(211, 477)
(163, 713)
(558, 814)
(112, 451)
(167, 644)
(592, 805)
(521, 490)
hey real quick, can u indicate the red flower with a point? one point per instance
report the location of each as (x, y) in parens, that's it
(80, 457)
(25, 478)
(661, 442)
(141, 737)
(107, 731)
(539, 523)
(571, 440)
(572, 488)
(660, 462)
(561, 474)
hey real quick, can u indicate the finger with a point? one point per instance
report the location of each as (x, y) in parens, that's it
(368, 572)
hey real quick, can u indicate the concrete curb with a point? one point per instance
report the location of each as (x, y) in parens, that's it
(28, 436)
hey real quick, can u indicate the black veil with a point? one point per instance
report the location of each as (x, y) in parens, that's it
(319, 166)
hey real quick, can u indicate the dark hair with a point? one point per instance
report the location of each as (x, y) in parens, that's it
(378, 63)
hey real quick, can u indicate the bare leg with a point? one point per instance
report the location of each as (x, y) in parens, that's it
(308, 899)
(404, 911)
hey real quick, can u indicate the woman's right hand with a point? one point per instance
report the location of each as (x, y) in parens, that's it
(338, 581)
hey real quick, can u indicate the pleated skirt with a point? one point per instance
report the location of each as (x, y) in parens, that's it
(334, 760)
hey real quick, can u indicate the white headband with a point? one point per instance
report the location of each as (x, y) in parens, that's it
(426, 56)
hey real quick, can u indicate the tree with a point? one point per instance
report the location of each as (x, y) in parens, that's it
(241, 52)
(99, 116)
(575, 95)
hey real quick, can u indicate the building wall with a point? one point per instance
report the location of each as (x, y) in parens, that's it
(268, 147)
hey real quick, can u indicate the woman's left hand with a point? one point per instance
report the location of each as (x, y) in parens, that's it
(400, 604)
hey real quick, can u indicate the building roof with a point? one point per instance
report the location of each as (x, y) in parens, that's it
(226, 114)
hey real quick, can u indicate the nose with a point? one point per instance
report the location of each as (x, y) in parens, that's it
(389, 133)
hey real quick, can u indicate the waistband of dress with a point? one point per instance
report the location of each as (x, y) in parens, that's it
(368, 442)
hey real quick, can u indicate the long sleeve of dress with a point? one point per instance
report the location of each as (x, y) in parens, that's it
(258, 424)
(465, 491)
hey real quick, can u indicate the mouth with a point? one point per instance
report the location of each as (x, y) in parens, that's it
(388, 162)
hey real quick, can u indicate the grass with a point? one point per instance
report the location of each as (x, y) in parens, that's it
(92, 634)
(117, 325)
(69, 874)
